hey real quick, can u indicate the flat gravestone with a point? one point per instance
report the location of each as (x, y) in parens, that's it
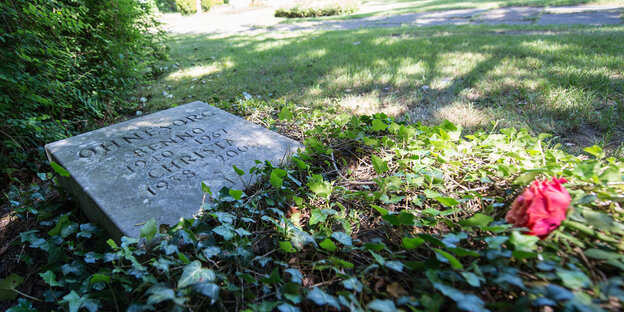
(153, 166)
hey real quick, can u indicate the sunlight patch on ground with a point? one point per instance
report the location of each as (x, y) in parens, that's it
(199, 71)
(463, 113)
(371, 103)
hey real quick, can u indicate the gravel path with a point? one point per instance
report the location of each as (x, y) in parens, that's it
(260, 20)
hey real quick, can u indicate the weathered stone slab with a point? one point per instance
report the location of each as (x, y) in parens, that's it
(153, 166)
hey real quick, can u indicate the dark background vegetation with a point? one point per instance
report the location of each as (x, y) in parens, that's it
(64, 64)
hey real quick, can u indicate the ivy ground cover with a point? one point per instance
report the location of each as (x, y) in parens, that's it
(375, 215)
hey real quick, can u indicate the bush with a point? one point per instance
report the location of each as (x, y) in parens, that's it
(166, 5)
(64, 63)
(189, 6)
(318, 8)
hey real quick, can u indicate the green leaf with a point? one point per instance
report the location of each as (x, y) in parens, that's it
(207, 289)
(466, 302)
(58, 169)
(342, 238)
(287, 247)
(353, 284)
(596, 151)
(379, 165)
(612, 258)
(322, 298)
(159, 294)
(149, 229)
(573, 279)
(382, 305)
(320, 187)
(441, 255)
(238, 171)
(285, 114)
(327, 244)
(412, 243)
(523, 242)
(285, 307)
(8, 285)
(447, 201)
(206, 188)
(60, 223)
(22, 305)
(50, 278)
(379, 125)
(526, 178)
(194, 273)
(317, 216)
(76, 302)
(99, 278)
(273, 278)
(381, 210)
(237, 194)
(276, 178)
(478, 219)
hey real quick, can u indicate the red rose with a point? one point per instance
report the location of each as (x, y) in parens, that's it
(541, 207)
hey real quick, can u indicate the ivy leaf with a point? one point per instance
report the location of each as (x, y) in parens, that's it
(322, 298)
(478, 219)
(149, 229)
(523, 242)
(317, 216)
(596, 151)
(379, 125)
(447, 201)
(194, 273)
(342, 238)
(58, 169)
(328, 245)
(99, 278)
(285, 114)
(224, 231)
(50, 278)
(159, 293)
(382, 305)
(210, 290)
(76, 302)
(319, 187)
(287, 247)
(237, 194)
(205, 188)
(612, 258)
(379, 165)
(412, 243)
(8, 285)
(238, 171)
(22, 305)
(466, 302)
(573, 279)
(276, 179)
(285, 307)
(447, 257)
(353, 284)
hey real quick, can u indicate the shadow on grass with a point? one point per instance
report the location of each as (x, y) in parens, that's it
(570, 84)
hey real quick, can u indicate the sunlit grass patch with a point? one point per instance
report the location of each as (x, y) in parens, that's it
(562, 80)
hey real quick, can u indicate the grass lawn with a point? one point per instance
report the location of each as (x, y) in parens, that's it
(567, 81)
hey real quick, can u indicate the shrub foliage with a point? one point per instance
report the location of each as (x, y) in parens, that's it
(190, 6)
(317, 8)
(65, 62)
